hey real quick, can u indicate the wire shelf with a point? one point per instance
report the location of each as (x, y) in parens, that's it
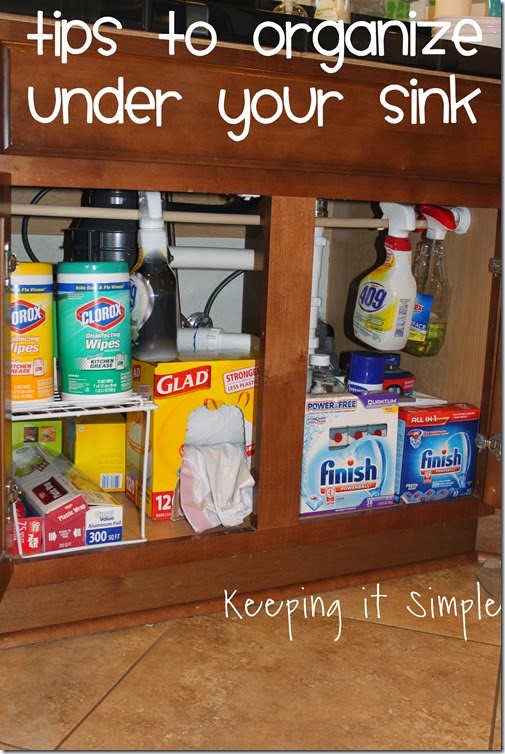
(61, 408)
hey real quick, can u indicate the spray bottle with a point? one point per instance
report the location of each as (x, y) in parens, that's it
(429, 321)
(153, 287)
(386, 296)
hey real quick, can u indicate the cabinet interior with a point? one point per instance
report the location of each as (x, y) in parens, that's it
(358, 158)
(350, 252)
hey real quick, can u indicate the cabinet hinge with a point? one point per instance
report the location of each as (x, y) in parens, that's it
(492, 444)
(495, 266)
(10, 263)
(11, 496)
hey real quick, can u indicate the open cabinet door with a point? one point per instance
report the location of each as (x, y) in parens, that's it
(491, 420)
(492, 491)
(5, 426)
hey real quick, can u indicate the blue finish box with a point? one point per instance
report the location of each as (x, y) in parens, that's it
(436, 452)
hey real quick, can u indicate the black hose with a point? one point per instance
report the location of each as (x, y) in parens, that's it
(217, 290)
(24, 224)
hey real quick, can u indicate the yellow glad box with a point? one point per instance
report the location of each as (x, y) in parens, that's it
(178, 388)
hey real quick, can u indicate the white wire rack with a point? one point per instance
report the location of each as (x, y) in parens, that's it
(62, 409)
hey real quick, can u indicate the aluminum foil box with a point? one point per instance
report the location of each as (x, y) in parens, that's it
(436, 452)
(349, 452)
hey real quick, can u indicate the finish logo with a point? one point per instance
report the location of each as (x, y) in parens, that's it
(445, 463)
(352, 476)
(26, 316)
(102, 314)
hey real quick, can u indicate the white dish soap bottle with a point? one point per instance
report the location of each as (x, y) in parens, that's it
(153, 287)
(386, 296)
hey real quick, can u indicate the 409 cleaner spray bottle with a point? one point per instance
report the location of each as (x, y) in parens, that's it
(386, 296)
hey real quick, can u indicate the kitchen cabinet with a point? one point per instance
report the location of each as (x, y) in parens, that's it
(355, 159)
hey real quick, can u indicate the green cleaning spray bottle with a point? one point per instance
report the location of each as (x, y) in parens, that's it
(431, 309)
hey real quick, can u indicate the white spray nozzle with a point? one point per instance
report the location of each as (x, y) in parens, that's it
(463, 219)
(402, 219)
(150, 210)
(152, 234)
(439, 220)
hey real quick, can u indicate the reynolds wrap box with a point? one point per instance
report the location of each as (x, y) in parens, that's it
(349, 452)
(436, 452)
(178, 388)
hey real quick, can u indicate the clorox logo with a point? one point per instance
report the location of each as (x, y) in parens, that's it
(26, 316)
(102, 314)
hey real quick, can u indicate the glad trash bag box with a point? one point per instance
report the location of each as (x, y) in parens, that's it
(349, 452)
(178, 388)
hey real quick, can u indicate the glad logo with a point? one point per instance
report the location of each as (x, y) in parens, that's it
(26, 316)
(182, 382)
(102, 314)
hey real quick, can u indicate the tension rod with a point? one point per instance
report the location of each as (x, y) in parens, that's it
(207, 218)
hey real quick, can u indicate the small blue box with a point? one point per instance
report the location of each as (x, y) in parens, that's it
(436, 452)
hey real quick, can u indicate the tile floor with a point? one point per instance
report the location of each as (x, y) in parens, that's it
(410, 678)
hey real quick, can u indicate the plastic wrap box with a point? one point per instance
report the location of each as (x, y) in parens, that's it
(436, 452)
(178, 388)
(349, 452)
(75, 511)
(52, 495)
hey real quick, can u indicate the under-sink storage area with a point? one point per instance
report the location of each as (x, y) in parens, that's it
(166, 565)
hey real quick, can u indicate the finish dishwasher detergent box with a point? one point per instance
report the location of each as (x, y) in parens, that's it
(178, 388)
(349, 452)
(436, 452)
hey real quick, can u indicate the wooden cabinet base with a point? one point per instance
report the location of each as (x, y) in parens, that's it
(50, 611)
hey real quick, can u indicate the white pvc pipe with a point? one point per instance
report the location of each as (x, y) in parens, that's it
(319, 244)
(210, 258)
(216, 340)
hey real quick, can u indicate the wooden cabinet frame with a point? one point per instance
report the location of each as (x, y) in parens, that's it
(356, 156)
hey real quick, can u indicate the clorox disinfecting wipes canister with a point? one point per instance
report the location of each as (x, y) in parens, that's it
(31, 331)
(93, 303)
